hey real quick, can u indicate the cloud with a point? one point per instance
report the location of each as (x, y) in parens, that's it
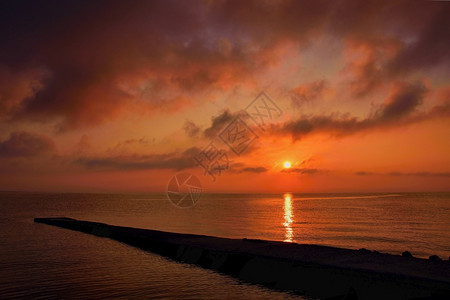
(218, 123)
(307, 171)
(367, 63)
(26, 144)
(396, 173)
(239, 168)
(254, 170)
(176, 161)
(405, 98)
(191, 129)
(251, 170)
(417, 28)
(363, 173)
(307, 161)
(16, 86)
(429, 48)
(103, 59)
(420, 174)
(84, 144)
(307, 92)
(399, 109)
(124, 147)
(85, 63)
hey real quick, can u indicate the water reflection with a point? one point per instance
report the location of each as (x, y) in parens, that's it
(288, 218)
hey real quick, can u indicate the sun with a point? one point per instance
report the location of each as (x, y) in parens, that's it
(287, 164)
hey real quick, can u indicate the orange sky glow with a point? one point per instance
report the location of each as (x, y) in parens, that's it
(120, 97)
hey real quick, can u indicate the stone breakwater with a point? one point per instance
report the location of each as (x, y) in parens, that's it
(311, 270)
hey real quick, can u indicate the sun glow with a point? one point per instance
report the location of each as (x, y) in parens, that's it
(287, 164)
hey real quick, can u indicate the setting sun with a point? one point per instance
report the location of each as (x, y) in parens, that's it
(287, 164)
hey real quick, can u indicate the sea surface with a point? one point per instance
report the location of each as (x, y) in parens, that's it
(40, 261)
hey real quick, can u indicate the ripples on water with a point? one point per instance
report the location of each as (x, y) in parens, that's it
(45, 262)
(40, 261)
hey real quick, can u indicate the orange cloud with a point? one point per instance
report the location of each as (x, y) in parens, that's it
(25, 144)
(105, 55)
(398, 110)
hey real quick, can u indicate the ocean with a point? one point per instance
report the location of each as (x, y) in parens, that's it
(45, 262)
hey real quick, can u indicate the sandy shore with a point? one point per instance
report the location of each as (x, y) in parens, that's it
(316, 271)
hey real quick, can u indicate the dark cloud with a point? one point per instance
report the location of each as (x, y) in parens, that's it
(402, 38)
(429, 47)
(125, 146)
(102, 58)
(307, 92)
(398, 109)
(404, 100)
(191, 129)
(87, 62)
(420, 28)
(132, 142)
(307, 171)
(253, 170)
(443, 108)
(15, 86)
(336, 124)
(218, 123)
(396, 173)
(420, 174)
(307, 161)
(26, 144)
(363, 173)
(368, 70)
(221, 121)
(238, 168)
(237, 165)
(176, 161)
(83, 145)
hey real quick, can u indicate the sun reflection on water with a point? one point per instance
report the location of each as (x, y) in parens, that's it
(288, 218)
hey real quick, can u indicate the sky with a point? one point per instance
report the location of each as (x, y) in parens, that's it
(115, 96)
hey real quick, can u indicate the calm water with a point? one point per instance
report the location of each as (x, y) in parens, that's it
(40, 261)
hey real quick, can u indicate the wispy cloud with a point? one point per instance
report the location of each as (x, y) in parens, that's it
(104, 62)
(26, 144)
(306, 171)
(175, 161)
(399, 109)
(396, 173)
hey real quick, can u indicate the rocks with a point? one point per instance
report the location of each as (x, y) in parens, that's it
(407, 254)
(351, 295)
(434, 258)
(254, 240)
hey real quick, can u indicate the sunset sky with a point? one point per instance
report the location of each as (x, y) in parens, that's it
(119, 96)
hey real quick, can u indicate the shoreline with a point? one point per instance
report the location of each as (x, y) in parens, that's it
(311, 270)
